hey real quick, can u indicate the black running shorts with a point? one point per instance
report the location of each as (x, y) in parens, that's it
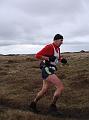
(46, 71)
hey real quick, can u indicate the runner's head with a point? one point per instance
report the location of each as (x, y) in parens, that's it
(58, 39)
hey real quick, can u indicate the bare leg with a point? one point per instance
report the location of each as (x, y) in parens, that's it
(59, 87)
(40, 94)
(44, 89)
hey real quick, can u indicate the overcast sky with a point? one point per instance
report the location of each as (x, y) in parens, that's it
(24, 22)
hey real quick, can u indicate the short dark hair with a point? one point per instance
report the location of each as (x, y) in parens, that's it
(58, 36)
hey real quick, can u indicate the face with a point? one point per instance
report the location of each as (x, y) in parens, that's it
(59, 42)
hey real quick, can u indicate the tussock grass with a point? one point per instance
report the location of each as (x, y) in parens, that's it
(20, 80)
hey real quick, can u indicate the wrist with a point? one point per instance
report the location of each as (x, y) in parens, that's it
(45, 58)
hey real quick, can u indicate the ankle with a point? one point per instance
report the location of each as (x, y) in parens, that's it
(35, 101)
(52, 104)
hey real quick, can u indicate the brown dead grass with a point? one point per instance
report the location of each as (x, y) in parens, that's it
(20, 80)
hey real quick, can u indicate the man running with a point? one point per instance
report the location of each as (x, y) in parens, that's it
(50, 56)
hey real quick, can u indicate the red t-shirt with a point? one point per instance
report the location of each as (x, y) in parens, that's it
(48, 51)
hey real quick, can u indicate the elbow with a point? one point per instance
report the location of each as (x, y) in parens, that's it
(37, 56)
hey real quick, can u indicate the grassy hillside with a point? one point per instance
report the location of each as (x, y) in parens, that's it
(20, 80)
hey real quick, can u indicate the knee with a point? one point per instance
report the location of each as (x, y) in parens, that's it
(45, 90)
(60, 88)
(59, 91)
(42, 91)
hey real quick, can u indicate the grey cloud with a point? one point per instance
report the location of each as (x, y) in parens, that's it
(44, 7)
(36, 21)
